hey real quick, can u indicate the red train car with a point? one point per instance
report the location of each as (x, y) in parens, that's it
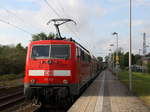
(57, 67)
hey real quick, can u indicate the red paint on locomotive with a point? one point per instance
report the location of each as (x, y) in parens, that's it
(58, 63)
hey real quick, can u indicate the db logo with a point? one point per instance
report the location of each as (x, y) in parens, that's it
(48, 73)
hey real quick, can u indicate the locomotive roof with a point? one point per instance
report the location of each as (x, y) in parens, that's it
(58, 41)
(53, 41)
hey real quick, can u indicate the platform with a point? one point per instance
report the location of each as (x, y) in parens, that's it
(106, 94)
(92, 98)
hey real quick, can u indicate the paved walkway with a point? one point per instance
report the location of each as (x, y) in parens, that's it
(106, 94)
(120, 98)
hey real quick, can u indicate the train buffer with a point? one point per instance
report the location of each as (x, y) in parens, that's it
(106, 94)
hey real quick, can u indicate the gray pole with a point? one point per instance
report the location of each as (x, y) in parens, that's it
(113, 62)
(112, 45)
(117, 51)
(130, 48)
(111, 58)
(117, 58)
(144, 44)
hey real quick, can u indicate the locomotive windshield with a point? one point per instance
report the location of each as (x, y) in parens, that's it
(50, 51)
(60, 51)
(40, 51)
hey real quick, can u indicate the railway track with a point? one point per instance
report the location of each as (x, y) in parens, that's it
(52, 108)
(11, 99)
(2, 88)
(29, 107)
(15, 98)
(47, 108)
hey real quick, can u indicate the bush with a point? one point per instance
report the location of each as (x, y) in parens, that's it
(148, 67)
(12, 59)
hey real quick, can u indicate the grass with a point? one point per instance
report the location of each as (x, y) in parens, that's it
(10, 80)
(8, 77)
(141, 84)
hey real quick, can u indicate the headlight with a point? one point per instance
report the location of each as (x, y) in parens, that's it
(32, 81)
(65, 81)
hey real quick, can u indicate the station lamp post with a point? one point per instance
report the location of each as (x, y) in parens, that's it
(112, 45)
(117, 57)
(110, 58)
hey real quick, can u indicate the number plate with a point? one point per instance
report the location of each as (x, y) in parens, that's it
(48, 73)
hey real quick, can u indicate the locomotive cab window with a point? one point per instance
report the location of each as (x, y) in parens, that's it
(50, 51)
(60, 51)
(40, 51)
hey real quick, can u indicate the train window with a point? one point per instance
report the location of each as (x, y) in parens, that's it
(40, 51)
(86, 58)
(82, 55)
(60, 51)
(77, 52)
(89, 58)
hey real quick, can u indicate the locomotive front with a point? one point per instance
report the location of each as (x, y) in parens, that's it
(50, 70)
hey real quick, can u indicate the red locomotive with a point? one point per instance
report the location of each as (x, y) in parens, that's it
(57, 68)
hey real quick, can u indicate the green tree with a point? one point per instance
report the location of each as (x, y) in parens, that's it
(138, 59)
(106, 58)
(51, 36)
(43, 36)
(126, 59)
(121, 59)
(12, 59)
(148, 67)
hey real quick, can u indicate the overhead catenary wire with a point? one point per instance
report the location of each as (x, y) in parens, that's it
(18, 27)
(12, 13)
(15, 26)
(62, 8)
(76, 32)
(16, 16)
(56, 13)
(49, 5)
(65, 14)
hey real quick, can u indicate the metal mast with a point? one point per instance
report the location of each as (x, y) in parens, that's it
(130, 46)
(144, 44)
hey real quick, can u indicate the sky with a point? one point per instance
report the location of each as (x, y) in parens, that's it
(96, 21)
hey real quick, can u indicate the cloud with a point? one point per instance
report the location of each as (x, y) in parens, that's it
(116, 0)
(146, 26)
(123, 22)
(35, 21)
(139, 3)
(92, 26)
